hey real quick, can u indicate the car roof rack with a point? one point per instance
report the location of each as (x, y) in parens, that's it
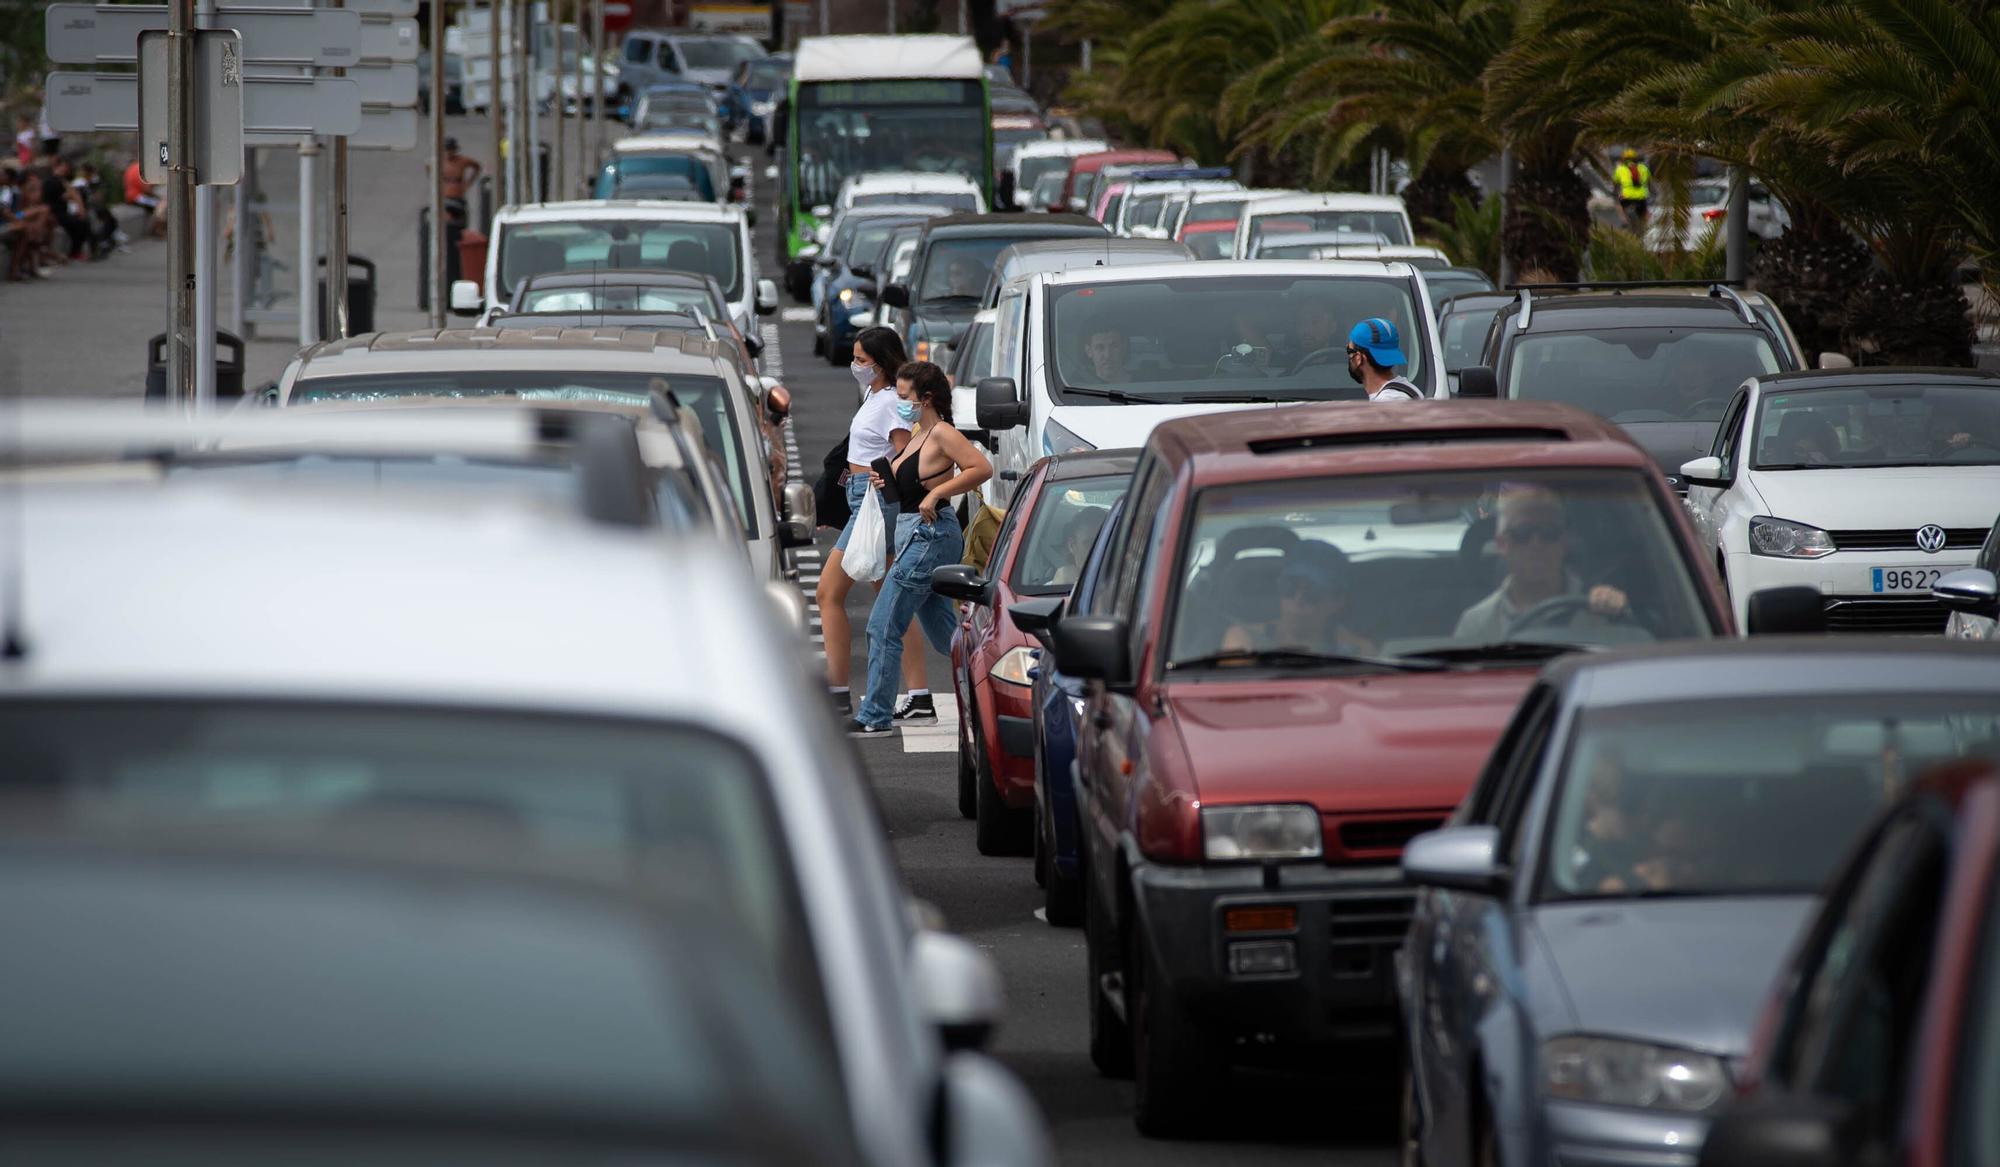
(1717, 289)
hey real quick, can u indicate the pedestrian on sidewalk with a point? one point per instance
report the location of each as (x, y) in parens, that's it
(457, 173)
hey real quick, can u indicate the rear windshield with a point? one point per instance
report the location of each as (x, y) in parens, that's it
(532, 249)
(627, 298)
(956, 200)
(1387, 224)
(657, 176)
(955, 269)
(1640, 374)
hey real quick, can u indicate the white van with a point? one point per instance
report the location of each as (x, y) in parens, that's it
(1382, 215)
(1094, 358)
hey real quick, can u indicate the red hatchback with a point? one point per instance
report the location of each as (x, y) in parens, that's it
(1317, 622)
(1037, 552)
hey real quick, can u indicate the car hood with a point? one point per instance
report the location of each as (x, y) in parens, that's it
(1686, 972)
(1672, 443)
(1112, 427)
(1400, 741)
(719, 78)
(1893, 496)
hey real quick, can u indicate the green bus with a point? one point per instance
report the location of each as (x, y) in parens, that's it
(862, 104)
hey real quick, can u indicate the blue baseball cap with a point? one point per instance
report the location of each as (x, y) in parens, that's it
(1379, 339)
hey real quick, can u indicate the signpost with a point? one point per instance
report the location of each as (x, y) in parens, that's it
(267, 111)
(108, 34)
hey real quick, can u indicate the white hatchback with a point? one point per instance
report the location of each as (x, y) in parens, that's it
(1868, 485)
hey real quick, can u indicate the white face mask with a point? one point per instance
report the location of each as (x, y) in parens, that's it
(864, 373)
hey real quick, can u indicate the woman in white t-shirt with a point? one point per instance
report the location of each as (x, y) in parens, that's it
(875, 432)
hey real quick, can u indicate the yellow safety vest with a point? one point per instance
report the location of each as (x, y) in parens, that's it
(1632, 181)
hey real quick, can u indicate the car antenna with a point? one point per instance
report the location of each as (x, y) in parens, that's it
(13, 608)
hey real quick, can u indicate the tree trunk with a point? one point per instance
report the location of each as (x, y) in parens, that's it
(1810, 272)
(1900, 321)
(1547, 225)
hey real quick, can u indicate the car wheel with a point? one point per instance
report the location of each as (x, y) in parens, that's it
(835, 356)
(1410, 1150)
(968, 778)
(1062, 895)
(1178, 1068)
(1001, 830)
(1041, 854)
(1110, 1038)
(819, 344)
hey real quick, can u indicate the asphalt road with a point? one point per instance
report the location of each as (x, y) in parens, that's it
(1344, 1115)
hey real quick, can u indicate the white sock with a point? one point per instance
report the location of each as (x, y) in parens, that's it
(914, 693)
(838, 690)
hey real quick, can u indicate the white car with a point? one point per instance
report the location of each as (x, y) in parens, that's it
(1867, 485)
(1094, 358)
(954, 192)
(1035, 161)
(1147, 203)
(1708, 208)
(538, 238)
(1207, 220)
(1382, 215)
(292, 657)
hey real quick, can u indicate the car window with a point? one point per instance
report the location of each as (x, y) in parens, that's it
(620, 299)
(869, 243)
(1387, 224)
(1480, 807)
(955, 269)
(1439, 565)
(1729, 435)
(1463, 333)
(1518, 780)
(957, 200)
(1149, 489)
(718, 54)
(1978, 1138)
(1065, 523)
(636, 51)
(1989, 552)
(533, 249)
(1632, 375)
(1010, 526)
(1009, 337)
(1878, 425)
(1093, 565)
(1805, 775)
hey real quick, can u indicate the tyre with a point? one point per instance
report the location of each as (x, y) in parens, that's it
(1062, 895)
(835, 354)
(1409, 1147)
(819, 344)
(1110, 1039)
(1001, 830)
(1041, 855)
(1179, 1068)
(968, 778)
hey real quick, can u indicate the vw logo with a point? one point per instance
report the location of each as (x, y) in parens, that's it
(1930, 538)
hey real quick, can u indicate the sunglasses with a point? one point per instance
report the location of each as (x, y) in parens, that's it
(1535, 533)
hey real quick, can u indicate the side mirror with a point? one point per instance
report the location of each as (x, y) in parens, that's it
(896, 295)
(808, 251)
(1458, 858)
(754, 343)
(1096, 648)
(1478, 381)
(790, 603)
(1786, 611)
(863, 271)
(1707, 471)
(465, 298)
(777, 401)
(1835, 361)
(1781, 1131)
(962, 581)
(800, 512)
(1037, 618)
(1972, 590)
(999, 405)
(989, 1119)
(957, 988)
(767, 297)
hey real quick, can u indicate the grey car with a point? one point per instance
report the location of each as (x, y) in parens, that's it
(1603, 917)
(1972, 594)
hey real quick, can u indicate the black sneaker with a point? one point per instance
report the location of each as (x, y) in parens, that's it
(916, 711)
(843, 707)
(858, 728)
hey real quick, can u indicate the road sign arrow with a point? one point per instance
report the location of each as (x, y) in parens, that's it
(108, 34)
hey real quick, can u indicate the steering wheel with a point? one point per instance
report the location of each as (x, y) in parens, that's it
(1318, 356)
(1561, 609)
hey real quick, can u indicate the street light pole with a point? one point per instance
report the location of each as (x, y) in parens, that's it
(562, 112)
(494, 109)
(205, 270)
(437, 239)
(596, 155)
(180, 202)
(336, 251)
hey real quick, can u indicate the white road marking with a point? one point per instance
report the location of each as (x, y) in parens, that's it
(941, 738)
(801, 314)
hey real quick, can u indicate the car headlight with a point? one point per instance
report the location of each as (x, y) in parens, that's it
(923, 350)
(762, 108)
(1013, 667)
(1632, 1073)
(1259, 832)
(1060, 439)
(1784, 539)
(847, 295)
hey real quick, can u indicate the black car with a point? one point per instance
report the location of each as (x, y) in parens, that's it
(954, 258)
(1652, 359)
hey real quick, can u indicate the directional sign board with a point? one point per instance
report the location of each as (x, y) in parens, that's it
(378, 128)
(270, 106)
(365, 7)
(108, 34)
(388, 39)
(394, 85)
(217, 150)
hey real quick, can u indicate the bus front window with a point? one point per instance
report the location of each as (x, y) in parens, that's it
(854, 127)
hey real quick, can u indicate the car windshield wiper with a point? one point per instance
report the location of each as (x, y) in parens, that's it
(953, 299)
(1238, 399)
(1298, 658)
(1503, 650)
(1120, 396)
(1809, 466)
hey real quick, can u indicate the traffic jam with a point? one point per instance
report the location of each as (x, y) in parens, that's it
(893, 625)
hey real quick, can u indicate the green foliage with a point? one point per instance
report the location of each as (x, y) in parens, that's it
(1618, 254)
(1472, 236)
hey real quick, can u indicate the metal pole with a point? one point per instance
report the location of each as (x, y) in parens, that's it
(596, 155)
(1027, 55)
(531, 89)
(246, 243)
(562, 112)
(494, 108)
(964, 19)
(1086, 55)
(437, 256)
(206, 270)
(336, 248)
(824, 16)
(180, 203)
(1506, 195)
(308, 240)
(892, 17)
(1736, 225)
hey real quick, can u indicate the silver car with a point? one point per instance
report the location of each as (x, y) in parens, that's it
(1972, 594)
(1602, 919)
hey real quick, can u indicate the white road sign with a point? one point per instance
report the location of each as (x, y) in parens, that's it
(365, 7)
(379, 128)
(217, 150)
(387, 39)
(289, 106)
(394, 85)
(108, 34)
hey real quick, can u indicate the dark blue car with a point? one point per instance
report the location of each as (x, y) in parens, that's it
(1058, 704)
(755, 89)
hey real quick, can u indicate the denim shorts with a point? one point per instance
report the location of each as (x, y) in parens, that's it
(857, 489)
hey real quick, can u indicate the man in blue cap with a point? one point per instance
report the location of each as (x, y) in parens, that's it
(1374, 349)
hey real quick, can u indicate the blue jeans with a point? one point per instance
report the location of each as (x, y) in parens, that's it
(906, 593)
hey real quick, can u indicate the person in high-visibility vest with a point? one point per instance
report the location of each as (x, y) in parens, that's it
(1635, 181)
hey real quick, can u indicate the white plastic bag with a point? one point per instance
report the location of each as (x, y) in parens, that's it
(867, 555)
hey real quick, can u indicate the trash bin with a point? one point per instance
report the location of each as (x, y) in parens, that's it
(472, 258)
(360, 297)
(452, 232)
(228, 366)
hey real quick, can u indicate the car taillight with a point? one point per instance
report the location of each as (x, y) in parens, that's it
(1714, 213)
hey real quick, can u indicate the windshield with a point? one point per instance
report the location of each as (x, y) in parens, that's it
(853, 127)
(1387, 224)
(614, 298)
(956, 269)
(1879, 425)
(1209, 244)
(668, 805)
(1473, 564)
(1640, 374)
(956, 200)
(1445, 281)
(681, 120)
(1029, 172)
(722, 53)
(870, 241)
(1216, 211)
(1225, 338)
(1061, 530)
(1802, 776)
(707, 397)
(1463, 332)
(678, 175)
(764, 73)
(1145, 210)
(978, 359)
(533, 249)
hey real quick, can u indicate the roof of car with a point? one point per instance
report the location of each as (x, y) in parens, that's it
(667, 142)
(1775, 666)
(1560, 311)
(584, 209)
(1232, 269)
(1357, 436)
(907, 180)
(654, 277)
(1473, 301)
(1124, 154)
(1014, 222)
(1879, 375)
(1331, 200)
(643, 349)
(1092, 463)
(1059, 148)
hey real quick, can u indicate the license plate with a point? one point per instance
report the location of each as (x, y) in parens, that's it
(1907, 579)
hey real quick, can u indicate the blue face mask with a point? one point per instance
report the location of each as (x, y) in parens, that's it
(907, 410)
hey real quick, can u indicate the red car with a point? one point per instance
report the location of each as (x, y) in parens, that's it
(1037, 552)
(1883, 1043)
(1318, 621)
(1080, 183)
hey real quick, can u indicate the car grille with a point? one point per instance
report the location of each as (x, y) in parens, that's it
(1916, 616)
(1905, 539)
(1364, 930)
(1378, 840)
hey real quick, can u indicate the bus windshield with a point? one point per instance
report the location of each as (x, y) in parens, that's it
(853, 127)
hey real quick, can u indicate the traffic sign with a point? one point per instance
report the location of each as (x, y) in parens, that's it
(387, 39)
(271, 106)
(108, 34)
(217, 150)
(365, 7)
(386, 84)
(378, 128)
